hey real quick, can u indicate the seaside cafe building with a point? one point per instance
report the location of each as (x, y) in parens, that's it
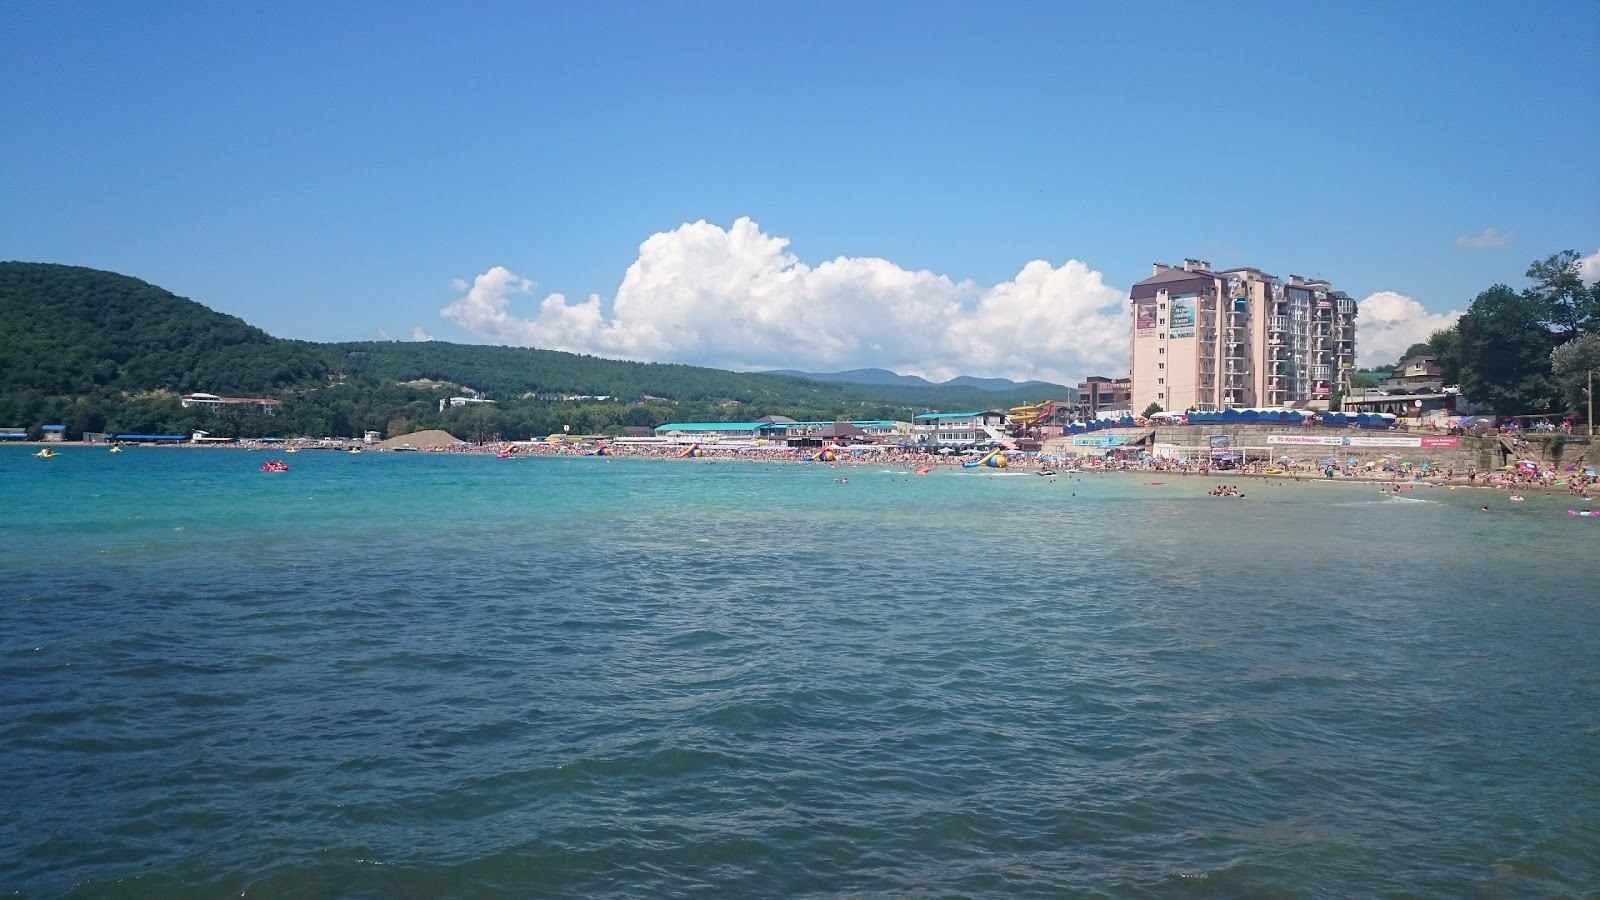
(960, 429)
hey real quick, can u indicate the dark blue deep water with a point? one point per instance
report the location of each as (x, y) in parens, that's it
(429, 676)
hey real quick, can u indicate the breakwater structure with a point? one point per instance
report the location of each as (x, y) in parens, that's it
(1266, 442)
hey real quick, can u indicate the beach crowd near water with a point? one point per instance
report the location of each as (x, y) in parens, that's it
(1577, 479)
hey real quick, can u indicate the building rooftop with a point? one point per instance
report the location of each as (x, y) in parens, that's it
(1167, 280)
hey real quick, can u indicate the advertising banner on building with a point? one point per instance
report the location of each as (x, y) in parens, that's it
(1381, 440)
(1182, 317)
(1144, 318)
(1099, 440)
(1363, 440)
(1306, 440)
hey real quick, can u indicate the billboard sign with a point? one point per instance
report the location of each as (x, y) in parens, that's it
(1381, 440)
(1182, 316)
(1144, 318)
(1363, 440)
(1306, 440)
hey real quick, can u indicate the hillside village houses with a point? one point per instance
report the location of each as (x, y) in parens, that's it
(214, 403)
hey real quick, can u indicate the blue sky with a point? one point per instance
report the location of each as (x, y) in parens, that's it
(326, 171)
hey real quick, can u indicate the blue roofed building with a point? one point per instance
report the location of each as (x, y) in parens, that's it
(776, 429)
(960, 429)
(719, 432)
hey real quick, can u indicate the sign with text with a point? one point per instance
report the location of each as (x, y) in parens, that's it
(1306, 440)
(1182, 316)
(1382, 440)
(1363, 440)
(1144, 318)
(1099, 440)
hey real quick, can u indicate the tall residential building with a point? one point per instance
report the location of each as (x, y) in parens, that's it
(1240, 337)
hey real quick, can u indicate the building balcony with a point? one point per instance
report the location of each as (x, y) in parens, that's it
(1278, 323)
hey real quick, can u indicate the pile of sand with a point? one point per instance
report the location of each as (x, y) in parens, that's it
(421, 440)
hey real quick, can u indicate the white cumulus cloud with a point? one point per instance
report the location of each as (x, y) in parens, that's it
(417, 334)
(1487, 239)
(737, 298)
(1387, 323)
(1589, 268)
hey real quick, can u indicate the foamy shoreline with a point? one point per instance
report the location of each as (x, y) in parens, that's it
(936, 462)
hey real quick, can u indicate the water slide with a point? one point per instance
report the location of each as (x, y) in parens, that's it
(994, 459)
(1024, 418)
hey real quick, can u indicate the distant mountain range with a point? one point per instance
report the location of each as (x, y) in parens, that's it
(886, 377)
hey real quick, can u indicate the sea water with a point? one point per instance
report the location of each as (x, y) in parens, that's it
(393, 675)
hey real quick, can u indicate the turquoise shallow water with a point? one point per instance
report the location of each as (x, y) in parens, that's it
(414, 675)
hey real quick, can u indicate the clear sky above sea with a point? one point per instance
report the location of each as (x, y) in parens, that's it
(342, 171)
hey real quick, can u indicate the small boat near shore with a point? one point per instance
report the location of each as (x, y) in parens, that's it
(47, 453)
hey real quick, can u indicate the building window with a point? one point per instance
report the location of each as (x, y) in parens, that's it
(1161, 351)
(1161, 381)
(1161, 321)
(1161, 336)
(1161, 365)
(1161, 395)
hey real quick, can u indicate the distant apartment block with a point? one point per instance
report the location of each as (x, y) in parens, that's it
(1209, 340)
(1098, 394)
(219, 404)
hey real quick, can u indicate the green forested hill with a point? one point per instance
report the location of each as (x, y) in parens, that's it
(98, 351)
(66, 330)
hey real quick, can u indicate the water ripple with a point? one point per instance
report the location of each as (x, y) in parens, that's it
(561, 679)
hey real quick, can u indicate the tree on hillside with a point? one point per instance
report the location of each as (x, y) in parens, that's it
(1574, 364)
(1151, 410)
(1505, 352)
(1423, 349)
(1445, 346)
(1570, 305)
